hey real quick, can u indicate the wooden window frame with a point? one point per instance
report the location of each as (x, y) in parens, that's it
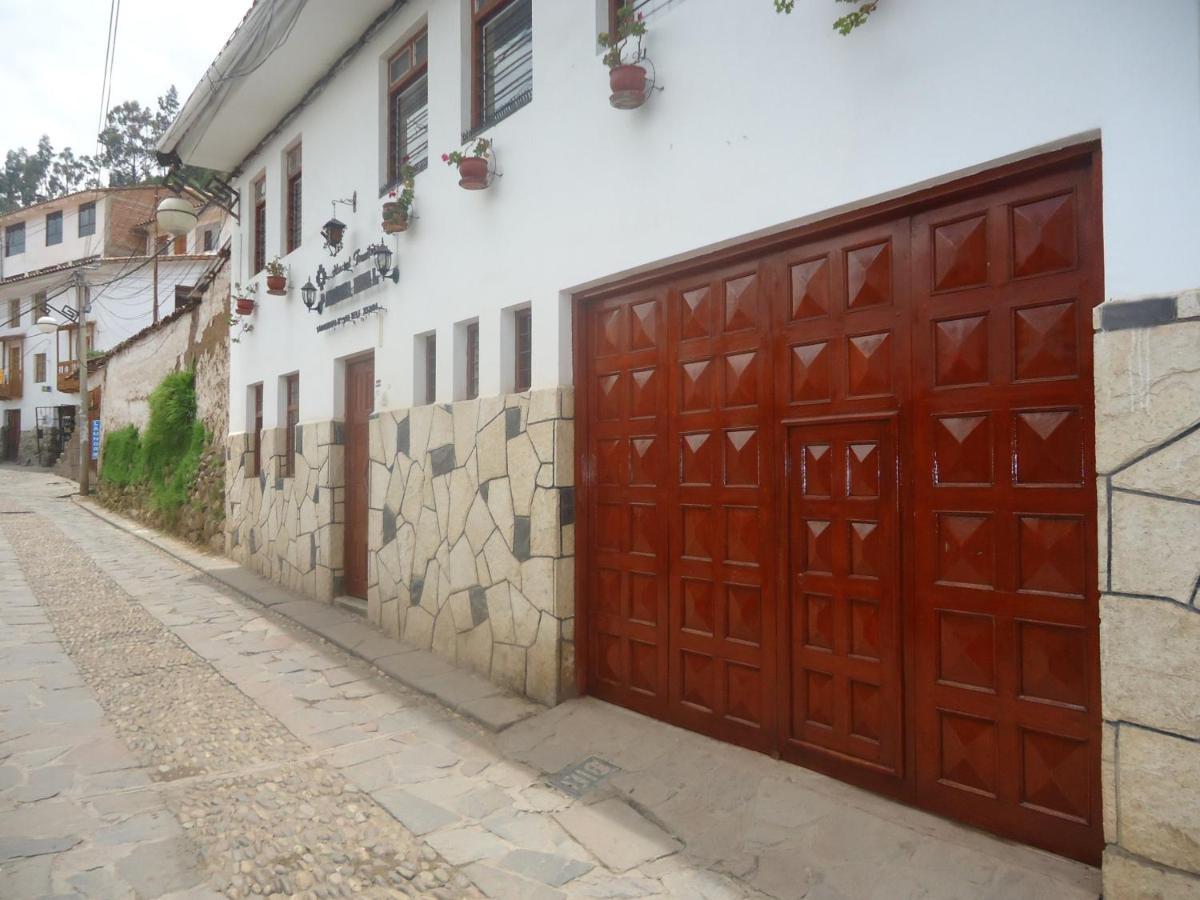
(259, 192)
(89, 207)
(39, 368)
(430, 368)
(415, 73)
(13, 319)
(258, 428)
(293, 196)
(179, 248)
(291, 395)
(488, 10)
(57, 216)
(472, 337)
(522, 349)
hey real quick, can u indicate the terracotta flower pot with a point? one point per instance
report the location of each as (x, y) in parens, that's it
(473, 173)
(395, 218)
(628, 85)
(277, 284)
(245, 306)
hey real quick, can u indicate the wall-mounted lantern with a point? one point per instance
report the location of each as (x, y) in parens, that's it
(309, 295)
(383, 262)
(334, 229)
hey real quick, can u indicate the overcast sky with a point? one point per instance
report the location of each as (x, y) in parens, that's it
(53, 60)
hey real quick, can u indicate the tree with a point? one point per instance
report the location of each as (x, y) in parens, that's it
(845, 24)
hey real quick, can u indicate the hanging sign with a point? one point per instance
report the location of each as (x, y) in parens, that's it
(95, 439)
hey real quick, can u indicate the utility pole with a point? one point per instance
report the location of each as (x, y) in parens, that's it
(85, 434)
(154, 250)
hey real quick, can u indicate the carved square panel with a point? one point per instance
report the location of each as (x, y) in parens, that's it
(699, 682)
(741, 302)
(608, 397)
(869, 276)
(610, 461)
(699, 610)
(868, 553)
(699, 532)
(1044, 341)
(817, 470)
(610, 526)
(643, 461)
(862, 469)
(643, 598)
(643, 667)
(820, 701)
(743, 693)
(743, 535)
(1051, 555)
(1043, 235)
(811, 288)
(1056, 775)
(696, 313)
(608, 331)
(1048, 447)
(810, 372)
(864, 629)
(968, 753)
(962, 450)
(741, 458)
(960, 254)
(865, 710)
(817, 615)
(608, 658)
(965, 549)
(608, 592)
(1053, 663)
(818, 546)
(741, 379)
(643, 393)
(966, 649)
(696, 385)
(643, 325)
(697, 456)
(869, 364)
(643, 529)
(743, 613)
(960, 351)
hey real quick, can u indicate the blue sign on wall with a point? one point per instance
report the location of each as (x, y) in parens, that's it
(95, 439)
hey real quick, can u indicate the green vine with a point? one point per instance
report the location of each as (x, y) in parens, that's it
(846, 23)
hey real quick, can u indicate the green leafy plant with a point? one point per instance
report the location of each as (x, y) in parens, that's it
(244, 293)
(276, 269)
(404, 197)
(122, 457)
(629, 25)
(479, 148)
(845, 24)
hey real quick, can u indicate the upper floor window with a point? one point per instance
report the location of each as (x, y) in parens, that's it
(294, 193)
(210, 240)
(179, 248)
(408, 107)
(39, 367)
(14, 313)
(523, 351)
(260, 225)
(40, 307)
(430, 368)
(292, 418)
(14, 239)
(502, 76)
(472, 360)
(54, 228)
(258, 428)
(87, 219)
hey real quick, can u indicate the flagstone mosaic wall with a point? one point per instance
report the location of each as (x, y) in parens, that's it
(1148, 465)
(471, 534)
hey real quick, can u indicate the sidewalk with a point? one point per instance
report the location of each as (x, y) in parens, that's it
(591, 800)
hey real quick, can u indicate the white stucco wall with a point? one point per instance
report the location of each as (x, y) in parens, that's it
(765, 121)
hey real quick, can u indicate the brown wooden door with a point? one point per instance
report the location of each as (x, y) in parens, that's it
(12, 434)
(924, 623)
(360, 403)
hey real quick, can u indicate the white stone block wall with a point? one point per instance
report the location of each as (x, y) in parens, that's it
(1148, 483)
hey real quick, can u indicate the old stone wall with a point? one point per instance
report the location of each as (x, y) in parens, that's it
(470, 530)
(1148, 465)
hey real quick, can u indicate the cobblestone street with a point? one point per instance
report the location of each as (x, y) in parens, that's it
(160, 736)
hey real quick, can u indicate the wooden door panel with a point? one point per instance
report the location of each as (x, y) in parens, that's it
(360, 403)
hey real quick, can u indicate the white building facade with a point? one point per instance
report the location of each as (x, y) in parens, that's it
(107, 236)
(800, 243)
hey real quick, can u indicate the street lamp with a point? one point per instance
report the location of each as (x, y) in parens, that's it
(175, 216)
(47, 324)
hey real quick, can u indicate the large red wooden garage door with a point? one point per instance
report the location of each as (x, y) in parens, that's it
(837, 501)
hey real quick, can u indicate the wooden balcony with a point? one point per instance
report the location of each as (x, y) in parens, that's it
(68, 377)
(10, 386)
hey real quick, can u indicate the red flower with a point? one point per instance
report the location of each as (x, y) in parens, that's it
(445, 157)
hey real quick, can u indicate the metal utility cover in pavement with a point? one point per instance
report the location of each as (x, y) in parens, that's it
(581, 777)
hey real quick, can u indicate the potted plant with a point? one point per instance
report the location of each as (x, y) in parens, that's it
(472, 165)
(276, 278)
(243, 299)
(626, 74)
(399, 204)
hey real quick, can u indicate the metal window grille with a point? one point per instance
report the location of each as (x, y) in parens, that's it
(295, 193)
(410, 127)
(54, 228)
(293, 419)
(430, 368)
(39, 367)
(260, 227)
(505, 62)
(258, 420)
(472, 360)
(524, 349)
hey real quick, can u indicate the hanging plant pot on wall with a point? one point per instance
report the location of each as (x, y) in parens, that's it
(623, 55)
(395, 217)
(474, 166)
(245, 306)
(628, 84)
(276, 278)
(398, 205)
